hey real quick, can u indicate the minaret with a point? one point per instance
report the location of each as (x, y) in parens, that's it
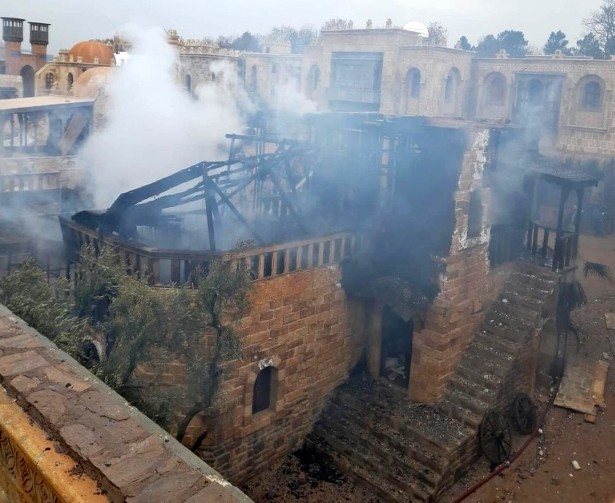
(12, 34)
(39, 39)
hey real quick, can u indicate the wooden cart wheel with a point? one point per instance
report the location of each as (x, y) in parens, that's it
(524, 413)
(495, 436)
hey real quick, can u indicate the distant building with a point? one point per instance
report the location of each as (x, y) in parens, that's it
(17, 63)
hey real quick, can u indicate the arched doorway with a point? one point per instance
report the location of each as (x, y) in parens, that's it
(27, 74)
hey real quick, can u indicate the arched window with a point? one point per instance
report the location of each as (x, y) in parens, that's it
(314, 77)
(253, 78)
(414, 83)
(496, 89)
(592, 96)
(451, 85)
(264, 390)
(49, 80)
(69, 82)
(188, 83)
(274, 68)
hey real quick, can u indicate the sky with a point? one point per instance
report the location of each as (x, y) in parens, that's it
(77, 20)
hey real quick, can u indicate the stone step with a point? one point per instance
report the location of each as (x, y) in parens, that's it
(489, 351)
(484, 378)
(527, 291)
(392, 439)
(472, 388)
(460, 413)
(484, 364)
(469, 402)
(358, 457)
(500, 341)
(511, 313)
(534, 277)
(390, 459)
(421, 424)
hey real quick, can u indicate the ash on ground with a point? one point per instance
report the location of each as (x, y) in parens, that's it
(306, 476)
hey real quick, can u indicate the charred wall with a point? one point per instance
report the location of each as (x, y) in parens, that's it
(454, 315)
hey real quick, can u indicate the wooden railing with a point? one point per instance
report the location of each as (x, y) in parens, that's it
(505, 243)
(542, 241)
(176, 267)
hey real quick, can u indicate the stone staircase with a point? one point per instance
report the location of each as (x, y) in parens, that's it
(490, 373)
(399, 448)
(413, 452)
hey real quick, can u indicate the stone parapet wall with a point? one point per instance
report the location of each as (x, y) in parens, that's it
(110, 451)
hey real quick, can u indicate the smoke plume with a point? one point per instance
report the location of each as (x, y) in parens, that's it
(153, 126)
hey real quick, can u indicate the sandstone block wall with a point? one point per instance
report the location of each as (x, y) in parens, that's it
(456, 312)
(299, 324)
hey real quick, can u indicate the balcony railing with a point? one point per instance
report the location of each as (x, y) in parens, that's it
(176, 267)
(542, 241)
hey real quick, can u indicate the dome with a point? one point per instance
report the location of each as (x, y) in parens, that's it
(417, 27)
(90, 82)
(91, 50)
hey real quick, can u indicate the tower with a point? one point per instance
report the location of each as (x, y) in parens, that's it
(12, 34)
(39, 39)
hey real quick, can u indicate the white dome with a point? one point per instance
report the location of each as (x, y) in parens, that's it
(417, 27)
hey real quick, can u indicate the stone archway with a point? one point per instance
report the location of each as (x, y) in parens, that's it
(27, 74)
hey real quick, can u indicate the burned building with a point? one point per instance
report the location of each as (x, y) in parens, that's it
(40, 173)
(382, 243)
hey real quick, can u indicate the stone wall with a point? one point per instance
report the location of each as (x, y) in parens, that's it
(454, 315)
(434, 63)
(299, 324)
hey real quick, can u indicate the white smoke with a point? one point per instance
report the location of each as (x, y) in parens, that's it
(289, 99)
(153, 126)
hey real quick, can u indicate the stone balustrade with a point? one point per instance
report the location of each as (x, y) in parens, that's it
(174, 267)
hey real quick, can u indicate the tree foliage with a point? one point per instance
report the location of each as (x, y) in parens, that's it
(512, 41)
(437, 33)
(464, 44)
(247, 42)
(297, 39)
(487, 47)
(337, 24)
(140, 326)
(557, 41)
(589, 46)
(47, 308)
(601, 26)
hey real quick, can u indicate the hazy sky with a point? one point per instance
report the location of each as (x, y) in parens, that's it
(76, 20)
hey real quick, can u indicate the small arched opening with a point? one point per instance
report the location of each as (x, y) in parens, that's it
(495, 89)
(263, 395)
(188, 83)
(69, 82)
(49, 81)
(413, 80)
